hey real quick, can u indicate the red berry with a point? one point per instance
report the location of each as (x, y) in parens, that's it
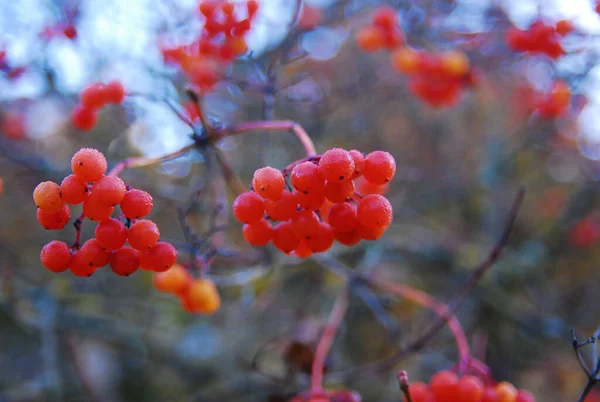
(252, 6)
(268, 183)
(55, 256)
(110, 190)
(259, 233)
(419, 392)
(283, 209)
(337, 192)
(136, 204)
(506, 392)
(489, 395)
(585, 233)
(348, 238)
(443, 385)
(525, 396)
(469, 389)
(159, 258)
(54, 220)
(111, 234)
(73, 190)
(322, 240)
(305, 178)
(284, 237)
(143, 234)
(380, 167)
(249, 207)
(336, 164)
(89, 164)
(359, 162)
(312, 201)
(95, 210)
(114, 92)
(125, 261)
(47, 197)
(369, 233)
(84, 118)
(343, 217)
(369, 39)
(80, 266)
(305, 224)
(385, 18)
(302, 251)
(375, 211)
(175, 280)
(93, 252)
(201, 297)
(93, 97)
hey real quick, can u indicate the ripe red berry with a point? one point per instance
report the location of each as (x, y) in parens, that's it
(54, 220)
(47, 197)
(336, 164)
(469, 389)
(73, 190)
(114, 92)
(375, 211)
(305, 178)
(175, 280)
(89, 164)
(369, 39)
(302, 251)
(311, 201)
(359, 162)
(259, 233)
(111, 234)
(322, 240)
(55, 256)
(305, 224)
(136, 204)
(252, 6)
(348, 238)
(489, 395)
(125, 261)
(284, 208)
(93, 97)
(343, 217)
(380, 167)
(268, 183)
(143, 234)
(93, 252)
(385, 18)
(110, 190)
(585, 233)
(284, 237)
(364, 187)
(525, 396)
(506, 392)
(443, 385)
(159, 258)
(406, 60)
(419, 392)
(95, 210)
(337, 192)
(80, 266)
(84, 118)
(249, 207)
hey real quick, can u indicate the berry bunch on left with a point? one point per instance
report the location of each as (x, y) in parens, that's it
(323, 206)
(383, 33)
(93, 98)
(99, 195)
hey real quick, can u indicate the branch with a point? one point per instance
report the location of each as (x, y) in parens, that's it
(143, 161)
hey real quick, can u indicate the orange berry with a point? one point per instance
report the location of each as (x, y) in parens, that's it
(159, 258)
(406, 60)
(47, 197)
(136, 204)
(469, 389)
(55, 256)
(125, 261)
(259, 233)
(284, 208)
(506, 392)
(336, 164)
(249, 207)
(369, 39)
(95, 210)
(284, 237)
(73, 190)
(201, 297)
(564, 27)
(143, 234)
(337, 192)
(380, 167)
(54, 220)
(268, 183)
(110, 190)
(89, 164)
(175, 280)
(375, 211)
(305, 178)
(455, 63)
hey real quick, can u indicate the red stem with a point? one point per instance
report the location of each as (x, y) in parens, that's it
(147, 161)
(333, 323)
(439, 308)
(79, 222)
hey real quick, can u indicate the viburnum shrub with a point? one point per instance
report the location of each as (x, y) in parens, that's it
(99, 194)
(323, 205)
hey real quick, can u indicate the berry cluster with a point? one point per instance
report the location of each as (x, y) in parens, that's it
(447, 386)
(196, 295)
(383, 33)
(99, 194)
(539, 38)
(437, 79)
(85, 115)
(220, 42)
(556, 102)
(328, 396)
(323, 206)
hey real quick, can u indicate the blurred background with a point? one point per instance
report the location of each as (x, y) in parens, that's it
(109, 338)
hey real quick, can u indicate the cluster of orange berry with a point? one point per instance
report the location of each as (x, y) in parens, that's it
(383, 33)
(196, 295)
(328, 396)
(323, 206)
(437, 79)
(539, 38)
(85, 115)
(99, 194)
(447, 386)
(220, 42)
(556, 102)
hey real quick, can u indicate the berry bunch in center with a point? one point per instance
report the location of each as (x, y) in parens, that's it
(322, 206)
